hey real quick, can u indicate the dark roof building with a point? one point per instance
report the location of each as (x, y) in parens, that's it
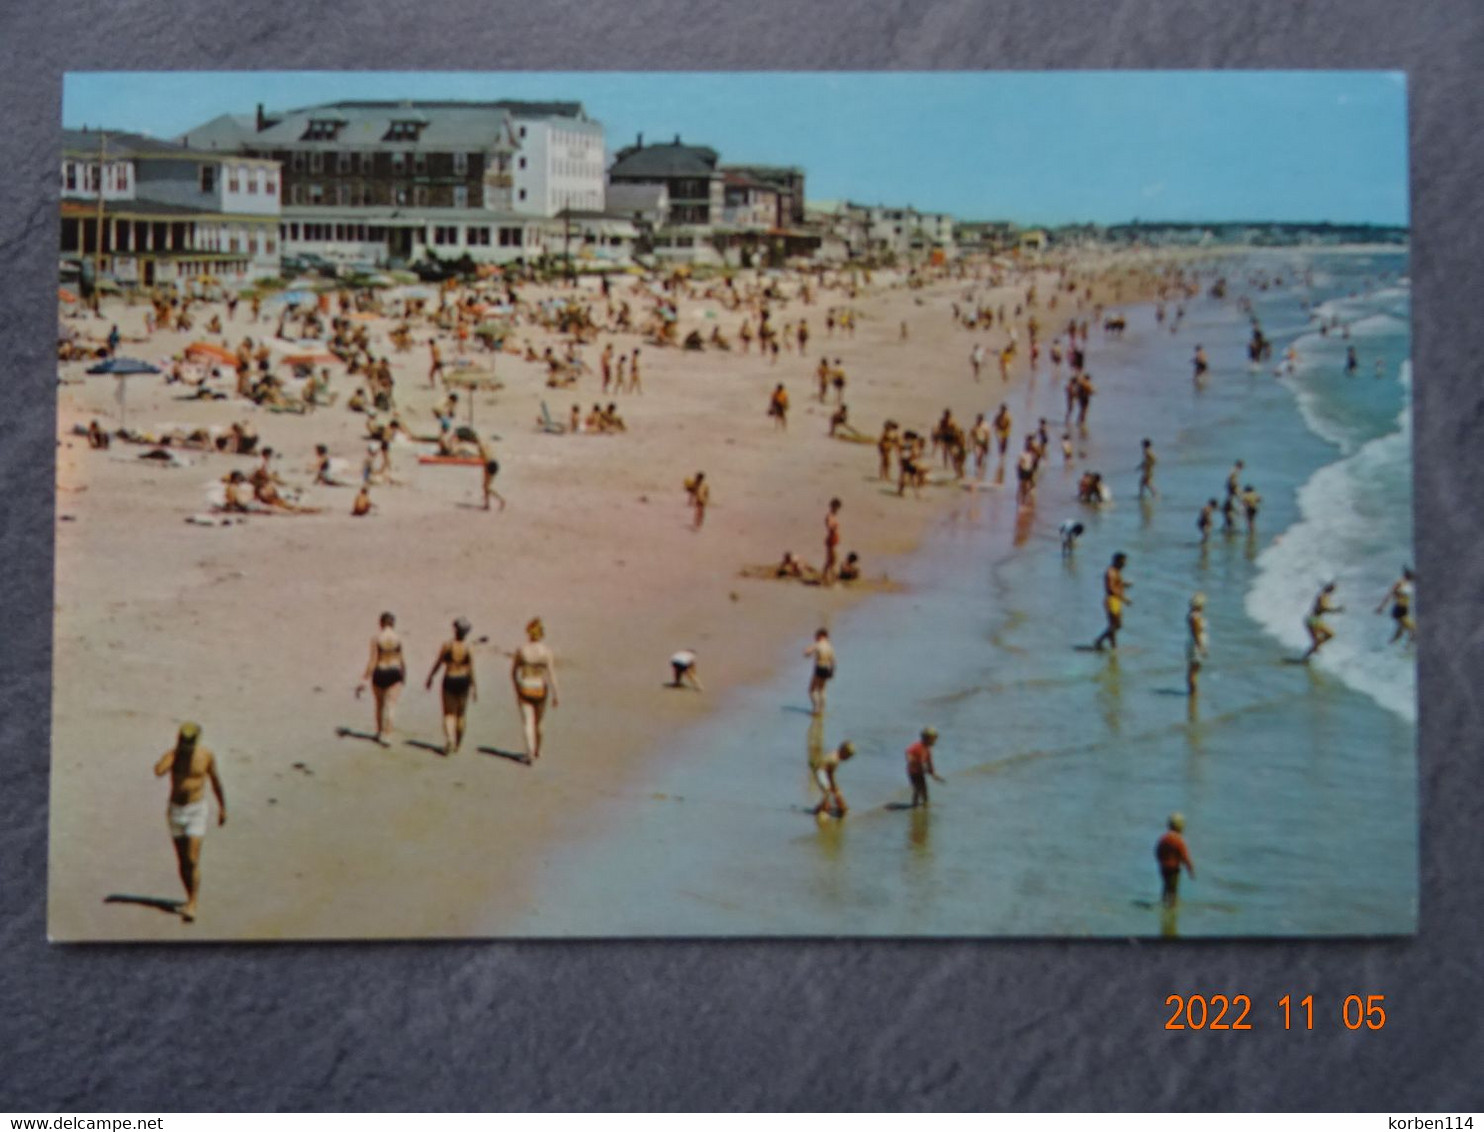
(688, 172)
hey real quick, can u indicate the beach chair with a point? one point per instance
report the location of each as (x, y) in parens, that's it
(549, 425)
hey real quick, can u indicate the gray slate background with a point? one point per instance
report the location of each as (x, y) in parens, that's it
(759, 1024)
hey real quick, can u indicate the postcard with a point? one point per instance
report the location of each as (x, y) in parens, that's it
(772, 504)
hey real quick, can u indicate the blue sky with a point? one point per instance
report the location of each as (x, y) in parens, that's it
(1032, 147)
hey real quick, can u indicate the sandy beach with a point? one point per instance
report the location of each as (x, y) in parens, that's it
(259, 631)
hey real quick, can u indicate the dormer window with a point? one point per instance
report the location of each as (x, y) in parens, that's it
(321, 129)
(404, 129)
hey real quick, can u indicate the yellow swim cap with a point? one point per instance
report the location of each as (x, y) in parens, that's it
(189, 733)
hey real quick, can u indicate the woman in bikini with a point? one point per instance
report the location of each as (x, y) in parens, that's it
(1400, 596)
(457, 662)
(385, 673)
(533, 675)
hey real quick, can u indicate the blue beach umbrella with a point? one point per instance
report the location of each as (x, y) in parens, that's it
(123, 366)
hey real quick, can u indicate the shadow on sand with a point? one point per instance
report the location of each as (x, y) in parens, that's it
(512, 756)
(156, 902)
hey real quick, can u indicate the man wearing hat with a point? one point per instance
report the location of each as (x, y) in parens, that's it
(189, 766)
(833, 801)
(1171, 853)
(920, 765)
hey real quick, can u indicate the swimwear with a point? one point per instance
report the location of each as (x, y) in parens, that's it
(388, 677)
(188, 820)
(456, 685)
(1114, 606)
(492, 467)
(531, 688)
(824, 671)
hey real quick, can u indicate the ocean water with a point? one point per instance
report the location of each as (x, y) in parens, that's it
(1298, 782)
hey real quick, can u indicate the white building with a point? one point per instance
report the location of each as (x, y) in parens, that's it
(560, 160)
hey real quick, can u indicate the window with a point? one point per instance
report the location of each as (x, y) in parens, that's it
(296, 163)
(400, 196)
(420, 163)
(420, 197)
(406, 130)
(316, 194)
(316, 162)
(270, 183)
(522, 194)
(321, 129)
(399, 163)
(208, 178)
(461, 164)
(296, 194)
(360, 232)
(342, 194)
(477, 237)
(69, 175)
(522, 131)
(522, 163)
(340, 231)
(251, 177)
(123, 178)
(368, 161)
(510, 237)
(342, 162)
(461, 196)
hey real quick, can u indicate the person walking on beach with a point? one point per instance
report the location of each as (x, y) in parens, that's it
(1199, 363)
(533, 675)
(436, 360)
(1171, 852)
(386, 671)
(1319, 632)
(831, 543)
(1003, 423)
(700, 495)
(1146, 470)
(190, 766)
(825, 769)
(823, 653)
(920, 766)
(489, 469)
(1400, 597)
(1196, 646)
(457, 661)
(778, 406)
(976, 359)
(1115, 597)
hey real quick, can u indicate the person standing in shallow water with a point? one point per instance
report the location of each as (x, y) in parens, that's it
(1115, 597)
(1400, 596)
(831, 543)
(920, 766)
(1196, 646)
(533, 675)
(823, 653)
(1171, 852)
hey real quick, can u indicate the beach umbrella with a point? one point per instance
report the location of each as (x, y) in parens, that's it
(122, 367)
(211, 350)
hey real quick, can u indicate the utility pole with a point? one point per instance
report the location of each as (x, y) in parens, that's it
(98, 240)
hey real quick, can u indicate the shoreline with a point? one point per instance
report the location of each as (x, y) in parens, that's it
(312, 824)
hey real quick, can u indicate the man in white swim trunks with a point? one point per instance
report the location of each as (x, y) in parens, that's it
(190, 766)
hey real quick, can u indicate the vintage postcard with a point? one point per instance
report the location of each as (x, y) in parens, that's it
(768, 504)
